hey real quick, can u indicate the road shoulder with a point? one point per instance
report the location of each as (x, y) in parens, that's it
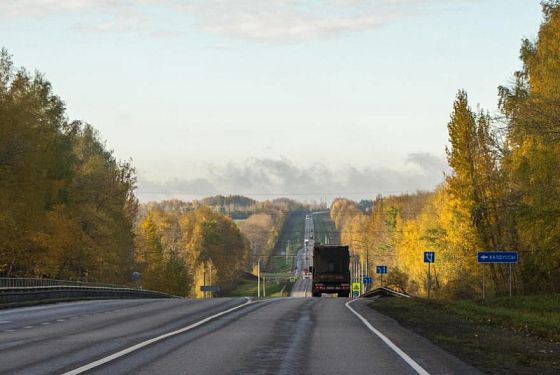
(428, 355)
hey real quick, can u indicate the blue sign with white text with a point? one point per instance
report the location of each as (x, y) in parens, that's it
(381, 269)
(497, 257)
(367, 280)
(429, 257)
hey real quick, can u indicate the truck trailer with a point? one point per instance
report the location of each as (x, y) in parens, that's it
(331, 270)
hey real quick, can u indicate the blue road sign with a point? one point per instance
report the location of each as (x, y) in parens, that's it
(429, 257)
(497, 257)
(367, 280)
(381, 269)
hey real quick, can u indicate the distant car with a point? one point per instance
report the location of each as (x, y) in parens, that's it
(307, 276)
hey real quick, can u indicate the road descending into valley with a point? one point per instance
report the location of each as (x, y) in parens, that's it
(183, 336)
(217, 336)
(304, 259)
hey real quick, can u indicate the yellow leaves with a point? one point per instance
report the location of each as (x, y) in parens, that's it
(175, 251)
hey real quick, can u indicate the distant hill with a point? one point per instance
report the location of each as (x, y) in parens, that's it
(231, 200)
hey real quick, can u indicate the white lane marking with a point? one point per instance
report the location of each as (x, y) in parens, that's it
(151, 341)
(9, 330)
(412, 363)
(60, 320)
(27, 327)
(5, 321)
(45, 323)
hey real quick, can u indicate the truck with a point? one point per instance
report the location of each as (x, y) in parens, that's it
(331, 270)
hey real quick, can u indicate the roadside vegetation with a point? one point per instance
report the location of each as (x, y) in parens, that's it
(502, 192)
(248, 288)
(68, 209)
(517, 336)
(325, 229)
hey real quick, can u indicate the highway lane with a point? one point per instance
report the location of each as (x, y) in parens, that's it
(304, 259)
(49, 339)
(275, 336)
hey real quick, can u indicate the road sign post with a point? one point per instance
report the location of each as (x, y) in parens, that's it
(381, 270)
(355, 289)
(501, 257)
(429, 257)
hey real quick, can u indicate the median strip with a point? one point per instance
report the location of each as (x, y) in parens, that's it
(141, 345)
(412, 363)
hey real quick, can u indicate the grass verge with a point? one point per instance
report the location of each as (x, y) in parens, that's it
(248, 288)
(521, 336)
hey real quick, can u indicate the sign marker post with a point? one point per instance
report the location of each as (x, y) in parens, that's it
(381, 270)
(429, 257)
(502, 257)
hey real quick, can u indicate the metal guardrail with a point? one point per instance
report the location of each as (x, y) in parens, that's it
(383, 291)
(17, 282)
(22, 290)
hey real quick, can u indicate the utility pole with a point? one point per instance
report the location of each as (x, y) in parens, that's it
(258, 276)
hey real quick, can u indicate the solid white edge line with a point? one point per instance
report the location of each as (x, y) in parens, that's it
(141, 345)
(411, 362)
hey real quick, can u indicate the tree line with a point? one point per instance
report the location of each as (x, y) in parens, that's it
(67, 206)
(503, 191)
(68, 209)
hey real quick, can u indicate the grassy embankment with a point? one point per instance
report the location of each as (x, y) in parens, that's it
(248, 288)
(290, 239)
(289, 242)
(521, 336)
(324, 228)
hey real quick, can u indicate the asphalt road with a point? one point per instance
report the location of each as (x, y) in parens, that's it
(304, 259)
(276, 336)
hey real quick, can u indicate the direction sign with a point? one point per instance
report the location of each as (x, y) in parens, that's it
(429, 257)
(356, 287)
(381, 269)
(497, 256)
(367, 280)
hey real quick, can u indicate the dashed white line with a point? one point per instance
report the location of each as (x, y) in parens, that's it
(411, 362)
(151, 341)
(45, 323)
(27, 327)
(5, 321)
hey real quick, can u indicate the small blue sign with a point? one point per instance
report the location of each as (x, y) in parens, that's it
(429, 257)
(367, 280)
(381, 269)
(497, 257)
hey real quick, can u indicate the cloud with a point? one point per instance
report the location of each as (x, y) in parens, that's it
(271, 178)
(288, 20)
(260, 20)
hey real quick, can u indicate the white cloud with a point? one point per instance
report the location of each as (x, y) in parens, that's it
(270, 178)
(262, 20)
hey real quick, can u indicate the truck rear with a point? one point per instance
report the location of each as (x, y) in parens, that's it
(331, 270)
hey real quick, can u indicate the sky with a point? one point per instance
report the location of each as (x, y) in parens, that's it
(309, 99)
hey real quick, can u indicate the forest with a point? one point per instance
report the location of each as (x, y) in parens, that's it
(68, 208)
(502, 194)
